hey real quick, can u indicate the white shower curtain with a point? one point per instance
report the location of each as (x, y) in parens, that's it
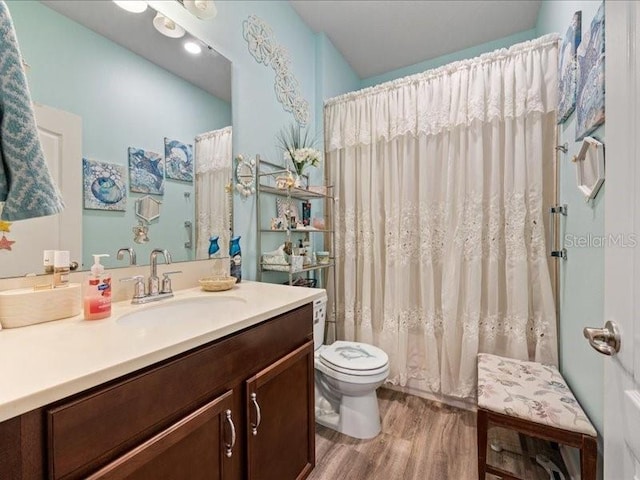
(440, 244)
(213, 174)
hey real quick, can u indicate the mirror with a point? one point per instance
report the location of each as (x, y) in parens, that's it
(147, 208)
(245, 176)
(133, 90)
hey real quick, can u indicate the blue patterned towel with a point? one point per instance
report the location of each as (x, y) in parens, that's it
(26, 185)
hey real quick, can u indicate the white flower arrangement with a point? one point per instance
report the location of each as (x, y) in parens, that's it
(303, 157)
(298, 149)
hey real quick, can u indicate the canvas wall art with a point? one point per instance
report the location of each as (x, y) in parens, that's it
(104, 185)
(146, 171)
(567, 68)
(178, 160)
(590, 100)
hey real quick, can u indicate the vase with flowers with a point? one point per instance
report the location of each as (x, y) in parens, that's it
(299, 151)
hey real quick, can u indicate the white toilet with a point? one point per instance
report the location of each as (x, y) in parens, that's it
(347, 376)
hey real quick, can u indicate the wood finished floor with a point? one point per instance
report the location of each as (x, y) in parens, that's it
(423, 440)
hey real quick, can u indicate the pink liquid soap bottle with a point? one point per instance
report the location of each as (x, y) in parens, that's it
(97, 292)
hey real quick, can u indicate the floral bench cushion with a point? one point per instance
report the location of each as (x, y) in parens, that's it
(530, 391)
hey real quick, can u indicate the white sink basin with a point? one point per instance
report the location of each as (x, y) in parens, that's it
(205, 310)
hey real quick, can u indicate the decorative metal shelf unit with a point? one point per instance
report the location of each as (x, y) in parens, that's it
(267, 173)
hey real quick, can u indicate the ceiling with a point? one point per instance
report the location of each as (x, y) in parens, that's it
(379, 36)
(210, 71)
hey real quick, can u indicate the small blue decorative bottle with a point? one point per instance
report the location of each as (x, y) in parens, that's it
(213, 247)
(236, 258)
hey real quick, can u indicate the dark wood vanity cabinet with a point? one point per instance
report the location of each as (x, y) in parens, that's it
(193, 448)
(240, 407)
(280, 398)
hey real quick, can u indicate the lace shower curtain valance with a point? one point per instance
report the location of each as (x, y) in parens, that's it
(217, 145)
(440, 245)
(507, 83)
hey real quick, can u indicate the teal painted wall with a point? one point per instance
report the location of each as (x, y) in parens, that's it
(139, 103)
(257, 114)
(452, 57)
(582, 274)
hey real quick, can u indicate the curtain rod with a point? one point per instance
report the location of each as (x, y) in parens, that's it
(540, 42)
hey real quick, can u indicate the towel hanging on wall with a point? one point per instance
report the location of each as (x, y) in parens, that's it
(26, 186)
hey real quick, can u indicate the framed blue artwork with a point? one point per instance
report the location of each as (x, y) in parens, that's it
(146, 172)
(567, 68)
(590, 55)
(103, 185)
(178, 159)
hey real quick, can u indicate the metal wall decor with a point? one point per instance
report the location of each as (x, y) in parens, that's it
(264, 48)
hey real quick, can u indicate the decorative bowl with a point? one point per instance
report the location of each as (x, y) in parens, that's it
(217, 284)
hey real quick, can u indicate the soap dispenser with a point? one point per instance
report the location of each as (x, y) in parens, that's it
(97, 295)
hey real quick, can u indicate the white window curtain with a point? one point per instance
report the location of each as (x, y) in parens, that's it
(213, 174)
(440, 243)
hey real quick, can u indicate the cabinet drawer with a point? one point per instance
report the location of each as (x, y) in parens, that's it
(197, 447)
(87, 433)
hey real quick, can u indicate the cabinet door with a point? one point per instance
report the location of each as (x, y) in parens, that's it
(280, 423)
(199, 446)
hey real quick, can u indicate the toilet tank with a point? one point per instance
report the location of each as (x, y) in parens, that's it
(319, 317)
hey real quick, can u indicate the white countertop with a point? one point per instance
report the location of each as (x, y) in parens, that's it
(42, 363)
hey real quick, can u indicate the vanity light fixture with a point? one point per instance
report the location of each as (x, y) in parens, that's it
(193, 48)
(167, 27)
(203, 9)
(133, 6)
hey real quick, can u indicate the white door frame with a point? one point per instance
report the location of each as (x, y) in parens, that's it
(622, 221)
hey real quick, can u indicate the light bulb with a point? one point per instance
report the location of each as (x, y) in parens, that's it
(167, 27)
(133, 6)
(203, 9)
(193, 48)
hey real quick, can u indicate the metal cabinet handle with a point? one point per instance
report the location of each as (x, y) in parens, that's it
(605, 340)
(254, 426)
(228, 451)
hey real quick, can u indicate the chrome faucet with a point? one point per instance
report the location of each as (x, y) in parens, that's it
(131, 252)
(154, 281)
(153, 293)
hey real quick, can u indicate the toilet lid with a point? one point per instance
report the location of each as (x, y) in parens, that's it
(353, 356)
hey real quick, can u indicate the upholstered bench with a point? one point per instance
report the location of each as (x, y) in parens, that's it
(532, 399)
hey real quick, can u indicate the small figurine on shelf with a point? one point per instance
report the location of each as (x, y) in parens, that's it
(236, 258)
(306, 213)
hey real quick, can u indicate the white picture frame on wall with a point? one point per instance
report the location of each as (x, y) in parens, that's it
(590, 167)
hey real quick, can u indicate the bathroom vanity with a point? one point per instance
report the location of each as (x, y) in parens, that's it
(238, 405)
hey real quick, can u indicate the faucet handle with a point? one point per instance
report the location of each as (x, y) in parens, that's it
(138, 288)
(166, 281)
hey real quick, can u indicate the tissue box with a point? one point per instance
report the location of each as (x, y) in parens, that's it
(24, 306)
(276, 260)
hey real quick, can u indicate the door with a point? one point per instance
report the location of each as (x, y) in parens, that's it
(198, 447)
(61, 138)
(280, 422)
(622, 222)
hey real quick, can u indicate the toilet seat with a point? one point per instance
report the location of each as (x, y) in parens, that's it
(354, 358)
